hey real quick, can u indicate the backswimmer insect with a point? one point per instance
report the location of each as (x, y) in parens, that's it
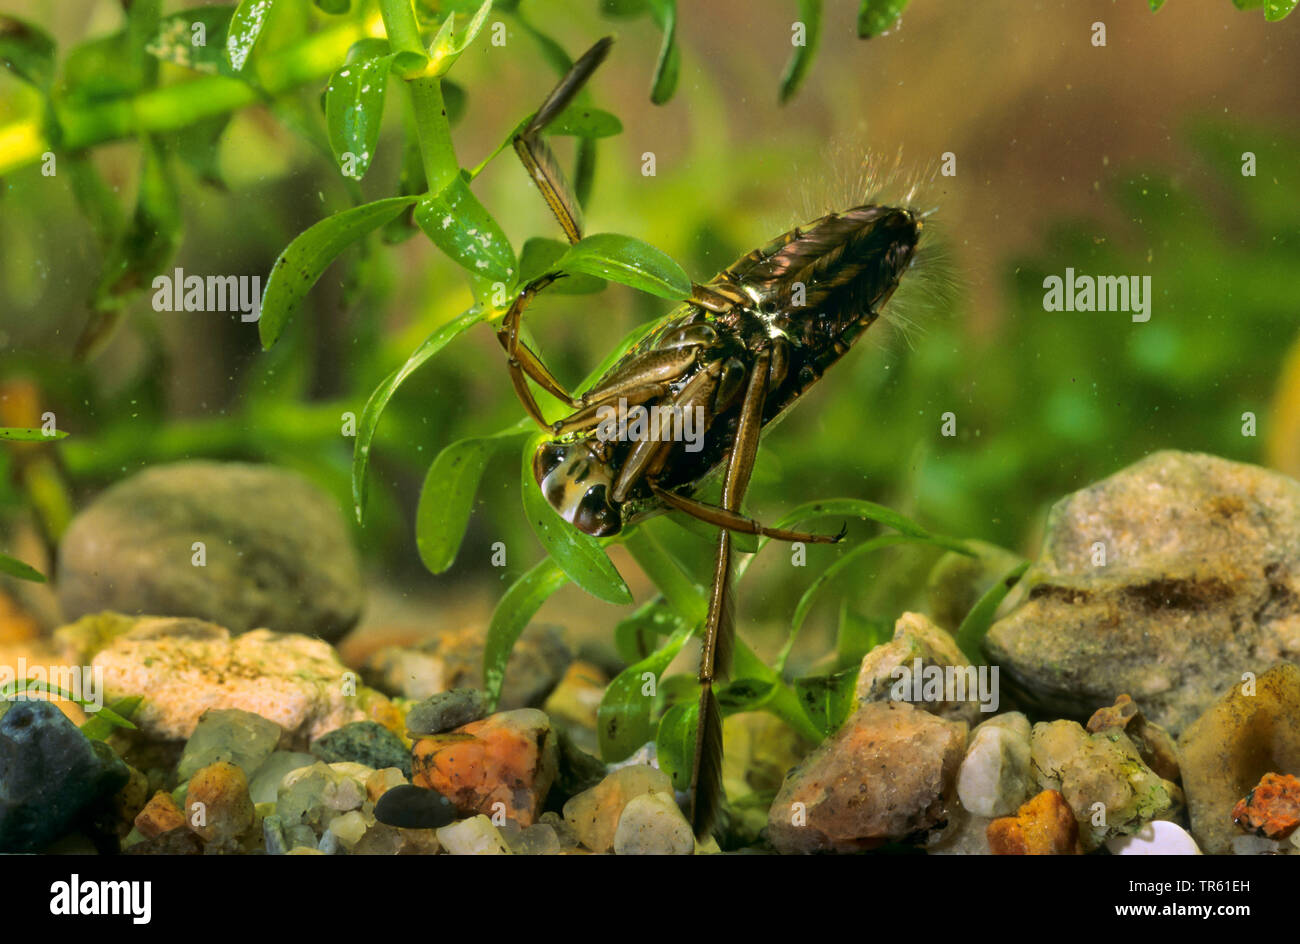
(738, 354)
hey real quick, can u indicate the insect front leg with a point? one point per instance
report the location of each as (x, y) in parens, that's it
(523, 362)
(733, 521)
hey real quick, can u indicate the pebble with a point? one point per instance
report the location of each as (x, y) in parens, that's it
(160, 815)
(1045, 825)
(229, 734)
(1272, 808)
(217, 804)
(1158, 837)
(593, 815)
(994, 778)
(410, 807)
(447, 711)
(264, 787)
(883, 776)
(364, 742)
(653, 824)
(473, 836)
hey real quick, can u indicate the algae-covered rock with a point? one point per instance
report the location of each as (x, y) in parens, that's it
(1102, 776)
(185, 667)
(1165, 581)
(1252, 730)
(244, 546)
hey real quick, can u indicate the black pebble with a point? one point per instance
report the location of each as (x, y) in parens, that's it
(411, 807)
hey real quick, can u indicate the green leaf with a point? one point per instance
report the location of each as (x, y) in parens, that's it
(378, 400)
(623, 719)
(16, 568)
(669, 64)
(178, 41)
(745, 694)
(245, 27)
(583, 121)
(446, 49)
(971, 632)
(105, 721)
(447, 496)
(354, 108)
(856, 636)
(512, 615)
(24, 434)
(810, 595)
(333, 7)
(628, 261)
(27, 51)
(1275, 10)
(636, 636)
(303, 260)
(580, 555)
(198, 147)
(539, 255)
(877, 16)
(462, 228)
(1156, 5)
(810, 15)
(827, 699)
(675, 743)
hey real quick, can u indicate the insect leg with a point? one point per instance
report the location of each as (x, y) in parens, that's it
(538, 158)
(736, 522)
(719, 629)
(521, 359)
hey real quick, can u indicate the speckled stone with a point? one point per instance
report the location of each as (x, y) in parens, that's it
(1201, 582)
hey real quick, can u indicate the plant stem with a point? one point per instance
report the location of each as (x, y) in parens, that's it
(687, 598)
(425, 94)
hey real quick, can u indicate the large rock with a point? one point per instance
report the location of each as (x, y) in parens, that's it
(278, 554)
(1253, 730)
(888, 773)
(1165, 581)
(184, 667)
(49, 775)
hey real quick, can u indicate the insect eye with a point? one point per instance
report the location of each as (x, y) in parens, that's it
(548, 456)
(595, 515)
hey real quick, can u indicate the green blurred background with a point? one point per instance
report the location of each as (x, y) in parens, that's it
(1117, 160)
